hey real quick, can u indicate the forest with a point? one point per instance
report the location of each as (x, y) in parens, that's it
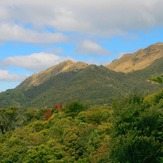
(127, 131)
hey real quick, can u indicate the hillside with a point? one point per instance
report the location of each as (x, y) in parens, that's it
(43, 76)
(94, 84)
(138, 60)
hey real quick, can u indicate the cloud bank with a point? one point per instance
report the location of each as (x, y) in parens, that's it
(8, 77)
(34, 62)
(14, 32)
(90, 47)
(104, 17)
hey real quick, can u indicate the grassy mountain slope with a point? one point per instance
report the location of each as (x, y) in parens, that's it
(95, 84)
(45, 75)
(138, 60)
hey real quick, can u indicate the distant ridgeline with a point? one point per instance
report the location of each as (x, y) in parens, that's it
(89, 83)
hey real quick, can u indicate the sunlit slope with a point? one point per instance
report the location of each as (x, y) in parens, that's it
(138, 60)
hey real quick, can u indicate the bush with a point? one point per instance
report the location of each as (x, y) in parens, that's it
(73, 108)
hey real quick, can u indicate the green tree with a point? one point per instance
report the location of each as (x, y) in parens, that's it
(8, 119)
(73, 108)
(39, 154)
(136, 136)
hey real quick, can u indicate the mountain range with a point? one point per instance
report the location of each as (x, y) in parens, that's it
(90, 83)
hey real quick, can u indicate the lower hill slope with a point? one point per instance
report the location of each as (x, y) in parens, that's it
(93, 84)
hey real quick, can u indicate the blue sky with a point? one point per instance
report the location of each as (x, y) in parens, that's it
(35, 35)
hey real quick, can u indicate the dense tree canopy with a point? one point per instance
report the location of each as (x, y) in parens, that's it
(129, 131)
(137, 130)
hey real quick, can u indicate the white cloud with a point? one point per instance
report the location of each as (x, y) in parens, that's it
(15, 32)
(90, 47)
(104, 17)
(34, 62)
(8, 77)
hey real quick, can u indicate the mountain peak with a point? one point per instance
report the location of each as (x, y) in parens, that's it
(138, 60)
(159, 43)
(68, 61)
(39, 78)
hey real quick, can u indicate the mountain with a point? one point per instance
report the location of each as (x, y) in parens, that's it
(43, 76)
(138, 60)
(90, 83)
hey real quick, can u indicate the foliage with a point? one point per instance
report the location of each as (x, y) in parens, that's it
(158, 79)
(73, 108)
(137, 135)
(129, 131)
(65, 137)
(7, 119)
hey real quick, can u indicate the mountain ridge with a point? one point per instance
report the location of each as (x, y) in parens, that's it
(137, 60)
(127, 63)
(77, 80)
(44, 75)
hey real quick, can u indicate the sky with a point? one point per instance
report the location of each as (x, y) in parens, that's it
(38, 34)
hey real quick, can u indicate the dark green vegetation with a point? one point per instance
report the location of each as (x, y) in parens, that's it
(94, 84)
(159, 79)
(129, 131)
(137, 135)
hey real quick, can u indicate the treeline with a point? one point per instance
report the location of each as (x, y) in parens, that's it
(129, 131)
